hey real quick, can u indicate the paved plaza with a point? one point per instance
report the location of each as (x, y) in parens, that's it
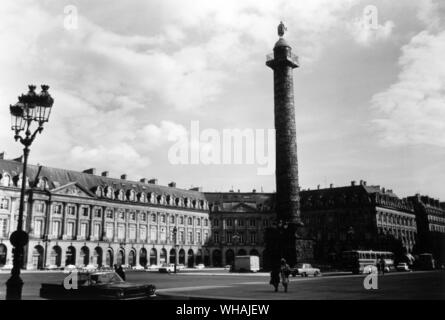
(220, 284)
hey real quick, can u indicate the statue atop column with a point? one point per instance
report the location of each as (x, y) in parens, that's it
(281, 29)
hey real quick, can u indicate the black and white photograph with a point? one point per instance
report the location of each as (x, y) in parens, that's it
(245, 152)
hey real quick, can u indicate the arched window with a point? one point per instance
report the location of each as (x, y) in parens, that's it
(168, 199)
(120, 195)
(177, 202)
(142, 197)
(109, 192)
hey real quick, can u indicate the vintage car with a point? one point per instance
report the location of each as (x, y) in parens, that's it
(304, 270)
(403, 266)
(167, 268)
(97, 286)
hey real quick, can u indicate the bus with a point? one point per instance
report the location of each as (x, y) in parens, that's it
(357, 260)
(425, 262)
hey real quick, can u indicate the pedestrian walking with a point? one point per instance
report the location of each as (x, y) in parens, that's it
(382, 265)
(284, 274)
(275, 278)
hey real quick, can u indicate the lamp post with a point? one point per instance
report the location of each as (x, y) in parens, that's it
(175, 230)
(235, 239)
(31, 108)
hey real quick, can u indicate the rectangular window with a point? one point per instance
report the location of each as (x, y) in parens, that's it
(109, 214)
(143, 217)
(216, 237)
(56, 228)
(85, 211)
(97, 213)
(190, 237)
(58, 208)
(83, 229)
(163, 234)
(38, 228)
(252, 222)
(70, 229)
(96, 230)
(132, 216)
(122, 215)
(39, 207)
(121, 231)
(198, 237)
(181, 237)
(143, 233)
(4, 203)
(153, 233)
(109, 231)
(71, 210)
(229, 222)
(253, 237)
(241, 222)
(3, 227)
(132, 232)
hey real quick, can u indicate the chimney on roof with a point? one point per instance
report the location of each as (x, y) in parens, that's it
(383, 190)
(143, 180)
(361, 182)
(352, 183)
(104, 174)
(90, 171)
(331, 185)
(254, 191)
(2, 155)
(199, 189)
(153, 181)
(239, 190)
(172, 184)
(318, 187)
(389, 190)
(124, 176)
(364, 183)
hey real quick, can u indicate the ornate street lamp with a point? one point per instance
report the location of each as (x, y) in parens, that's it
(175, 231)
(31, 108)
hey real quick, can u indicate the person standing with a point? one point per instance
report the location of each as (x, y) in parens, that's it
(275, 278)
(120, 272)
(284, 274)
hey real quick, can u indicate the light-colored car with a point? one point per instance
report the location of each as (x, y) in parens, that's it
(305, 270)
(138, 267)
(180, 267)
(200, 266)
(167, 268)
(370, 269)
(403, 266)
(69, 268)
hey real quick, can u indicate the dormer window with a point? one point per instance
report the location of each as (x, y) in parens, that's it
(5, 180)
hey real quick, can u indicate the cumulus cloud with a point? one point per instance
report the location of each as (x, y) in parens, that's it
(412, 110)
(367, 30)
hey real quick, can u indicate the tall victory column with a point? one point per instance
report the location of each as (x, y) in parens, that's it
(285, 240)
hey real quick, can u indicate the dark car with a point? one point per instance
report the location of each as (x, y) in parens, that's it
(98, 286)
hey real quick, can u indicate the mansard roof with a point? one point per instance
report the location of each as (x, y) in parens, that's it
(57, 177)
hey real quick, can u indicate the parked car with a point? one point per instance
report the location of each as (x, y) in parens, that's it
(167, 268)
(371, 269)
(153, 267)
(69, 268)
(403, 266)
(180, 267)
(200, 266)
(305, 270)
(138, 267)
(98, 286)
(52, 267)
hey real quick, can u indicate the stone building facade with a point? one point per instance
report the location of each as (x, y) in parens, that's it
(430, 218)
(357, 217)
(81, 218)
(238, 221)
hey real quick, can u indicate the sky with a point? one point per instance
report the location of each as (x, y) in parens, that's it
(130, 78)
